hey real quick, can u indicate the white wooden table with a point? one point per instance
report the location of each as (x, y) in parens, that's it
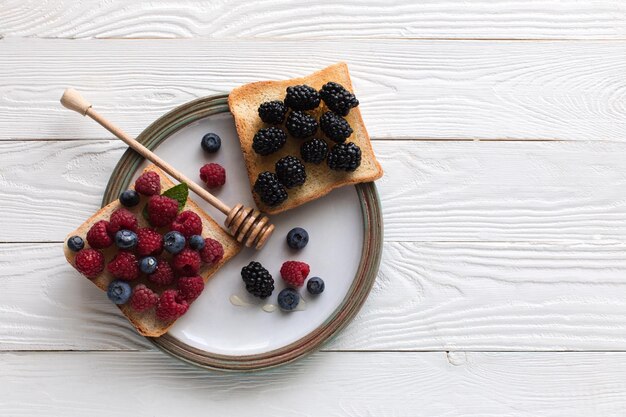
(501, 126)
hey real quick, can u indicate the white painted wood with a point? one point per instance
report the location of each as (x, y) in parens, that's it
(431, 191)
(409, 89)
(428, 296)
(520, 19)
(327, 384)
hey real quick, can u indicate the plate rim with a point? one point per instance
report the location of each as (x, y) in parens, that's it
(371, 252)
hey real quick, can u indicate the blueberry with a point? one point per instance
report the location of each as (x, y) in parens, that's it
(196, 242)
(75, 243)
(119, 291)
(173, 242)
(211, 143)
(288, 299)
(129, 198)
(297, 238)
(125, 239)
(148, 264)
(315, 286)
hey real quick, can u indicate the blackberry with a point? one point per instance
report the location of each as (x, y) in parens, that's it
(258, 280)
(335, 127)
(314, 151)
(344, 157)
(268, 140)
(271, 191)
(337, 98)
(302, 97)
(272, 112)
(301, 125)
(290, 171)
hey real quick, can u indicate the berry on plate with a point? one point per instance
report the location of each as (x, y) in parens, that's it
(297, 238)
(290, 171)
(294, 272)
(125, 239)
(258, 280)
(148, 183)
(315, 286)
(162, 210)
(269, 189)
(190, 287)
(89, 262)
(187, 223)
(288, 299)
(211, 143)
(124, 266)
(122, 219)
(75, 243)
(196, 242)
(187, 262)
(173, 242)
(164, 274)
(213, 175)
(119, 291)
(129, 198)
(170, 306)
(212, 252)
(143, 298)
(149, 242)
(273, 112)
(148, 264)
(98, 236)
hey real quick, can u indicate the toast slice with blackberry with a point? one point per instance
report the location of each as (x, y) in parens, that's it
(146, 322)
(323, 172)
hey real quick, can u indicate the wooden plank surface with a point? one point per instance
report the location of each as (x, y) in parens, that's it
(327, 384)
(409, 89)
(428, 296)
(432, 190)
(518, 19)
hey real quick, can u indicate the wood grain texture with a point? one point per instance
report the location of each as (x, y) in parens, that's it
(391, 384)
(537, 19)
(428, 296)
(408, 89)
(431, 191)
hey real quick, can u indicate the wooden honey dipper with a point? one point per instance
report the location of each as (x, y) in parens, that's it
(245, 224)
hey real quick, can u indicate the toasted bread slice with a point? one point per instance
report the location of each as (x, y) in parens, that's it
(244, 102)
(146, 322)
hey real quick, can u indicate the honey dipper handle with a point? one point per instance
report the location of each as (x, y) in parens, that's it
(74, 101)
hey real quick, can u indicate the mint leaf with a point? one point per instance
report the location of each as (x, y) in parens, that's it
(179, 193)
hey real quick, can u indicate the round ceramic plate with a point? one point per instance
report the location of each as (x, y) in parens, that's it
(226, 328)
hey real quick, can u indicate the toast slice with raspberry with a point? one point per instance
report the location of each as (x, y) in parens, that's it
(146, 322)
(244, 102)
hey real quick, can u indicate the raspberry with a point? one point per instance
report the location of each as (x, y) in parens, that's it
(190, 288)
(344, 157)
(213, 175)
(98, 237)
(162, 210)
(124, 266)
(170, 307)
(121, 219)
(89, 262)
(337, 98)
(143, 298)
(187, 262)
(271, 191)
(212, 252)
(272, 112)
(294, 272)
(301, 125)
(269, 140)
(187, 223)
(164, 275)
(149, 242)
(290, 171)
(302, 97)
(149, 183)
